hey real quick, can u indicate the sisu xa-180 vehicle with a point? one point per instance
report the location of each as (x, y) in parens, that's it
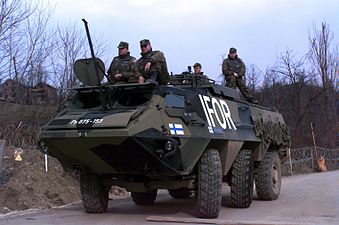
(189, 137)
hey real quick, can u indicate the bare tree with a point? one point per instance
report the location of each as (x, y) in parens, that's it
(24, 44)
(270, 91)
(23, 39)
(323, 57)
(33, 64)
(298, 81)
(69, 42)
(13, 13)
(253, 77)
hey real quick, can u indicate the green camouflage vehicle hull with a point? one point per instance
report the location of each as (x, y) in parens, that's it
(148, 137)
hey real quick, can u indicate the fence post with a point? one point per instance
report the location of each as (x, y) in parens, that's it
(2, 149)
(291, 168)
(312, 132)
(315, 147)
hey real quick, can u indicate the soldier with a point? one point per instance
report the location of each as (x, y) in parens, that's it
(233, 68)
(123, 67)
(197, 70)
(152, 64)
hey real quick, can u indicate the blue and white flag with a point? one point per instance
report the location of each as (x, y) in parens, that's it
(176, 128)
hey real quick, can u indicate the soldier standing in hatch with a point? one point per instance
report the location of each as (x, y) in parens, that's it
(197, 70)
(233, 68)
(123, 67)
(152, 65)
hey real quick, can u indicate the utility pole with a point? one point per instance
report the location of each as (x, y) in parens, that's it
(337, 104)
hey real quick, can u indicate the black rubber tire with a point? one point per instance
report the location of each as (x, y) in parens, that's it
(141, 198)
(267, 177)
(93, 194)
(242, 180)
(209, 185)
(180, 193)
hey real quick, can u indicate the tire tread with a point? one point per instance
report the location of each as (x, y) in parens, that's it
(93, 194)
(263, 180)
(209, 182)
(242, 180)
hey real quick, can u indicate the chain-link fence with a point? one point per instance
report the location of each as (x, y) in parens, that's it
(304, 160)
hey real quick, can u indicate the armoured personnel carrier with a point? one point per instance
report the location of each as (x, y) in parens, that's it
(183, 138)
(188, 137)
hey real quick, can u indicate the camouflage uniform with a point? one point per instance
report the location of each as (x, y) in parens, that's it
(158, 70)
(236, 65)
(124, 65)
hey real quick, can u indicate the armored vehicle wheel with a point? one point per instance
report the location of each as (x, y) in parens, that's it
(268, 177)
(242, 180)
(209, 185)
(180, 193)
(141, 198)
(93, 194)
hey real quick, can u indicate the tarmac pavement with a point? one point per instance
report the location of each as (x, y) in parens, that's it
(304, 199)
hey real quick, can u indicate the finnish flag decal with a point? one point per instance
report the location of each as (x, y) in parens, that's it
(176, 128)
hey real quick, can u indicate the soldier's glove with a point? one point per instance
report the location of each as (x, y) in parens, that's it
(236, 75)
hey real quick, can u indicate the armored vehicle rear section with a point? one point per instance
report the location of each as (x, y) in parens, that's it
(182, 137)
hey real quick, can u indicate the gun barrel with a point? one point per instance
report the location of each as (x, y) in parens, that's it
(103, 101)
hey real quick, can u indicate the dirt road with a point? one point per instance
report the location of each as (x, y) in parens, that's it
(306, 199)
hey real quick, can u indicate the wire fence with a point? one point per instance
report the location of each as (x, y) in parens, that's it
(304, 160)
